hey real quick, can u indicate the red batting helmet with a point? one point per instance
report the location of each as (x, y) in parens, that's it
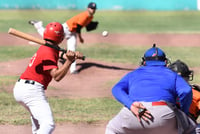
(54, 32)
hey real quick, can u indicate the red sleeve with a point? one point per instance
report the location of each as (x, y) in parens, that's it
(49, 64)
(50, 60)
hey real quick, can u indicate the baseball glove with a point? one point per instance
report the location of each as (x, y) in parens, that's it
(92, 26)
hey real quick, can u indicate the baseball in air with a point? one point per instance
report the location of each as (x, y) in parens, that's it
(105, 33)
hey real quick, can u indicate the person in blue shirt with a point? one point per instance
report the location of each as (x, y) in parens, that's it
(148, 94)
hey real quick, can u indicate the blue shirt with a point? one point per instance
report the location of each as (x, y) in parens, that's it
(153, 83)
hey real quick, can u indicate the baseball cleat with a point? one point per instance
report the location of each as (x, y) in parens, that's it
(32, 22)
(36, 24)
(74, 72)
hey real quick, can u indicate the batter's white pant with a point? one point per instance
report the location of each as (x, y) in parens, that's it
(71, 40)
(125, 122)
(32, 97)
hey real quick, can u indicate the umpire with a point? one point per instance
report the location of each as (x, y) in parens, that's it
(148, 95)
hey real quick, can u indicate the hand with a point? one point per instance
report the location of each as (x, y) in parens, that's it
(70, 56)
(79, 55)
(140, 111)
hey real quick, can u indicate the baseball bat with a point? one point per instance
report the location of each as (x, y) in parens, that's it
(29, 37)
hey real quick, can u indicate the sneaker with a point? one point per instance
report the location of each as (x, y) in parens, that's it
(74, 72)
(32, 22)
(36, 24)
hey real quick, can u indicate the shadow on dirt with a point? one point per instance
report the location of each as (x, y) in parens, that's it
(87, 65)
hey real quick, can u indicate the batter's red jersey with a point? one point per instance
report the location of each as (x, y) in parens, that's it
(82, 19)
(44, 59)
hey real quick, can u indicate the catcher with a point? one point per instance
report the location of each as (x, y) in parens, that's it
(182, 69)
(72, 29)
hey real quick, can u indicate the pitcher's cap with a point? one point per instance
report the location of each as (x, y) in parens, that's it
(92, 5)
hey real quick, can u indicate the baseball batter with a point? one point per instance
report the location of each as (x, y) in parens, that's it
(72, 29)
(148, 94)
(29, 90)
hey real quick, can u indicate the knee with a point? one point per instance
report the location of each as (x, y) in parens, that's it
(50, 126)
(47, 127)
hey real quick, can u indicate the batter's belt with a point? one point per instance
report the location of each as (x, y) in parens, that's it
(32, 82)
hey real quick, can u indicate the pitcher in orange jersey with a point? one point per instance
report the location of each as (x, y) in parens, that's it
(73, 27)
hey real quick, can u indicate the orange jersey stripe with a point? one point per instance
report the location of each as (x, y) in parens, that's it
(195, 106)
(82, 19)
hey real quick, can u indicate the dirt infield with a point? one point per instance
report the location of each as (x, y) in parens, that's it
(91, 81)
(123, 39)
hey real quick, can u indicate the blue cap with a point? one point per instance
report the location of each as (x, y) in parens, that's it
(92, 5)
(155, 56)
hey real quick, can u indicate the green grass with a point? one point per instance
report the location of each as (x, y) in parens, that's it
(113, 21)
(6, 81)
(109, 52)
(8, 53)
(99, 109)
(65, 110)
(84, 110)
(112, 53)
(133, 54)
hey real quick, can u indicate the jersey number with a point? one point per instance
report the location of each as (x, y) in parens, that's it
(32, 60)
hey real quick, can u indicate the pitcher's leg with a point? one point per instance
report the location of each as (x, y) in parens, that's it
(38, 26)
(71, 45)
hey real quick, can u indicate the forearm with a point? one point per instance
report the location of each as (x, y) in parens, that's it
(79, 35)
(59, 73)
(78, 31)
(121, 92)
(122, 96)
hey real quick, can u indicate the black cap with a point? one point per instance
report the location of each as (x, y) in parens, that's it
(92, 5)
(181, 68)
